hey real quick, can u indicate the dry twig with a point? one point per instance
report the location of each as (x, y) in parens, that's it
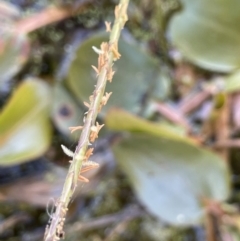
(172, 114)
(10, 222)
(48, 16)
(127, 214)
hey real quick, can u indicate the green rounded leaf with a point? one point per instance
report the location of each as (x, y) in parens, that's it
(24, 123)
(208, 33)
(120, 120)
(13, 55)
(135, 74)
(171, 178)
(14, 46)
(170, 174)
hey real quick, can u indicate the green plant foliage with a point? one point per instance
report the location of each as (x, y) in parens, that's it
(171, 177)
(232, 82)
(119, 120)
(162, 87)
(24, 124)
(16, 49)
(65, 111)
(136, 73)
(15, 54)
(14, 46)
(208, 33)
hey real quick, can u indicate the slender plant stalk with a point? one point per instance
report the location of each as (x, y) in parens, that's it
(48, 16)
(108, 53)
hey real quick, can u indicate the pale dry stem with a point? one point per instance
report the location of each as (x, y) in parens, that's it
(107, 53)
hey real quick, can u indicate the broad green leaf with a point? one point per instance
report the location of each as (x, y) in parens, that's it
(14, 53)
(136, 73)
(232, 82)
(208, 33)
(14, 46)
(162, 87)
(65, 111)
(24, 123)
(171, 178)
(120, 120)
(170, 174)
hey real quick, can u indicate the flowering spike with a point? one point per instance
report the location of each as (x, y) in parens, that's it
(86, 104)
(104, 47)
(74, 128)
(108, 26)
(95, 69)
(88, 153)
(87, 166)
(107, 53)
(115, 52)
(94, 131)
(91, 98)
(106, 97)
(96, 50)
(117, 8)
(67, 151)
(83, 179)
(110, 75)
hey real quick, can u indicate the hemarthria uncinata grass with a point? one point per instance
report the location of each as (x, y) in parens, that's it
(80, 163)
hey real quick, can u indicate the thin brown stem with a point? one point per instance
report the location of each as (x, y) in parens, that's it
(194, 102)
(128, 213)
(47, 16)
(210, 232)
(172, 115)
(228, 143)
